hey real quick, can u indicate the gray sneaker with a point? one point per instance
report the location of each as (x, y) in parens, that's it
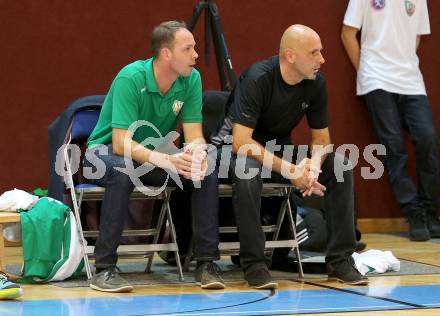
(109, 280)
(208, 276)
(346, 272)
(260, 279)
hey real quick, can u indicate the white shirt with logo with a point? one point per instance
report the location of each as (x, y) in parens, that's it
(388, 44)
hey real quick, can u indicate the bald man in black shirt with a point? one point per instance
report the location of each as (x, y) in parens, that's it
(267, 103)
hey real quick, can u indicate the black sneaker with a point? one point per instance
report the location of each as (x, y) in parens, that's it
(110, 281)
(208, 277)
(418, 227)
(346, 272)
(433, 225)
(260, 279)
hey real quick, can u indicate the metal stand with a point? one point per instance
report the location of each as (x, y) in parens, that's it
(213, 28)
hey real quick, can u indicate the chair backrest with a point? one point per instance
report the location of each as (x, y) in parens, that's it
(214, 103)
(83, 123)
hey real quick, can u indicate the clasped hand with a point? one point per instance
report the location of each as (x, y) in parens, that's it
(192, 163)
(307, 182)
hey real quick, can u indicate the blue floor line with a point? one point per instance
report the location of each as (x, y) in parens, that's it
(235, 303)
(416, 294)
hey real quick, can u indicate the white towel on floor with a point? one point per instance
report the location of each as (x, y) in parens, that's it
(376, 261)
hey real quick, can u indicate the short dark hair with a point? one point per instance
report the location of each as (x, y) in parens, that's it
(163, 35)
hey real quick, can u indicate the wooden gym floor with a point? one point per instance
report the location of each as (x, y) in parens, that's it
(407, 295)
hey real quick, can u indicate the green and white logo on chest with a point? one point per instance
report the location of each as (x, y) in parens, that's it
(410, 7)
(177, 106)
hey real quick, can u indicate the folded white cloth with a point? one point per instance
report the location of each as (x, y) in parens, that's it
(376, 261)
(17, 199)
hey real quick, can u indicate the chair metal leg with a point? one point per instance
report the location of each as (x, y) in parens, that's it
(293, 228)
(76, 208)
(173, 235)
(158, 228)
(280, 219)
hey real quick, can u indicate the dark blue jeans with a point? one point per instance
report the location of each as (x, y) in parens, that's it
(393, 114)
(339, 211)
(119, 186)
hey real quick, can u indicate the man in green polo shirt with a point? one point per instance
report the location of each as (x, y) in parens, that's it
(143, 106)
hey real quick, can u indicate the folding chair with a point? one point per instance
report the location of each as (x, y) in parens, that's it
(269, 190)
(81, 127)
(213, 113)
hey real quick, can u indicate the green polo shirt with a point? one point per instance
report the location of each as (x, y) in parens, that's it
(134, 97)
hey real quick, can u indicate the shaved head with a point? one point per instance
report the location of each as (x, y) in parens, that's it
(300, 54)
(295, 36)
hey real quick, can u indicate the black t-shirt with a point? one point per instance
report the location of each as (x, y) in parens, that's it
(263, 101)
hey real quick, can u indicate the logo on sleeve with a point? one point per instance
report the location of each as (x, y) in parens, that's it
(378, 4)
(177, 106)
(410, 7)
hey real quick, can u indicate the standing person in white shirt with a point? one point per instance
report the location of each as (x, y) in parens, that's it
(389, 79)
